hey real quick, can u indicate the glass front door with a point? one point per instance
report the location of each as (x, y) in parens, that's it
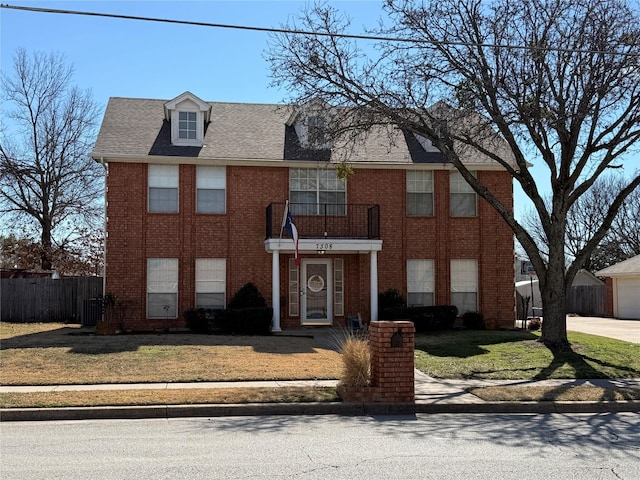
(316, 291)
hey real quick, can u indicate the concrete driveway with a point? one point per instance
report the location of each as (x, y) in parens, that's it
(627, 330)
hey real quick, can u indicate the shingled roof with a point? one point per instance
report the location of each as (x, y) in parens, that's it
(135, 129)
(631, 266)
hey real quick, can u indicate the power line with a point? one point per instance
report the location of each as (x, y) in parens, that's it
(304, 32)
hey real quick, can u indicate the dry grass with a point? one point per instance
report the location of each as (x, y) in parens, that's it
(356, 357)
(556, 394)
(49, 354)
(168, 397)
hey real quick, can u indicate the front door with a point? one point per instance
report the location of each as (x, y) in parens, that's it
(316, 300)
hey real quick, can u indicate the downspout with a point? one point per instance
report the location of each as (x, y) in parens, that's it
(104, 230)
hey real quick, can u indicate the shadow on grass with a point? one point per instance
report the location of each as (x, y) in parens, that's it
(580, 364)
(467, 343)
(82, 340)
(488, 354)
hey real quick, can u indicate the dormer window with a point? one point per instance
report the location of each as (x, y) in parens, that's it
(312, 123)
(426, 143)
(188, 116)
(187, 127)
(316, 131)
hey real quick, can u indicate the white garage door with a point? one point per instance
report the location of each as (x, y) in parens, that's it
(629, 298)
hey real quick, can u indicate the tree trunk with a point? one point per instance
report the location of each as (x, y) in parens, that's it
(45, 255)
(554, 324)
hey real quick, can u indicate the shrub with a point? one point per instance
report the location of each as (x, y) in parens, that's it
(247, 297)
(247, 321)
(436, 317)
(473, 320)
(534, 324)
(199, 320)
(390, 298)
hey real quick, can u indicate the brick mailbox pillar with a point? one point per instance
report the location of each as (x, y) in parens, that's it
(392, 366)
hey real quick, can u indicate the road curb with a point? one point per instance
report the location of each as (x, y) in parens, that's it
(319, 408)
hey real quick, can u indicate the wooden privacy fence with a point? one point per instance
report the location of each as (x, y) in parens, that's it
(50, 300)
(584, 300)
(587, 300)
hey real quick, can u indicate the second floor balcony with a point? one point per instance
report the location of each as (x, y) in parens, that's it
(325, 220)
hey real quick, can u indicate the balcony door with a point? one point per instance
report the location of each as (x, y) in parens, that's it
(315, 295)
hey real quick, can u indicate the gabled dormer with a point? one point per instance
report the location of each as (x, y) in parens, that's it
(188, 115)
(426, 143)
(311, 122)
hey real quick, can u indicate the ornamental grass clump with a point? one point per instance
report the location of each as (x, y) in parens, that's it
(356, 359)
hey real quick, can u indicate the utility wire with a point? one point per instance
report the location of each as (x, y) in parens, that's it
(304, 32)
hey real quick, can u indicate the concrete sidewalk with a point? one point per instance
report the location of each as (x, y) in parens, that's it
(431, 396)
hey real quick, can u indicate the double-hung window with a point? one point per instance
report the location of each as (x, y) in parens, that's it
(210, 189)
(463, 197)
(210, 283)
(314, 191)
(420, 283)
(162, 288)
(464, 285)
(420, 192)
(163, 188)
(316, 131)
(187, 125)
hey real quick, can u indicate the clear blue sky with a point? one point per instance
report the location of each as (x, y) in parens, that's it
(127, 58)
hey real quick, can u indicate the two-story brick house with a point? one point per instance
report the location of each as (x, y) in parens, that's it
(196, 193)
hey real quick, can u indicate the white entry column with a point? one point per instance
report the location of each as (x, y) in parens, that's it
(275, 290)
(374, 285)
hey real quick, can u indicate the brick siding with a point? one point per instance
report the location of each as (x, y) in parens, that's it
(238, 236)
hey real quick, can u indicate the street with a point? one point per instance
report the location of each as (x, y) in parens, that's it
(522, 447)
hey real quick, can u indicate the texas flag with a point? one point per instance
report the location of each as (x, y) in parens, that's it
(293, 231)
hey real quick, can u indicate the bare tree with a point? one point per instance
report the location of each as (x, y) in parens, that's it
(48, 184)
(622, 241)
(626, 227)
(558, 82)
(83, 258)
(585, 217)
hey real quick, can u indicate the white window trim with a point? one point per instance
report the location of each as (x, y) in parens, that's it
(187, 102)
(294, 289)
(163, 176)
(319, 122)
(157, 285)
(417, 268)
(412, 187)
(317, 191)
(207, 283)
(338, 287)
(191, 122)
(458, 185)
(175, 129)
(467, 284)
(218, 181)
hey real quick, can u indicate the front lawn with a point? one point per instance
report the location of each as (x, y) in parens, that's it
(486, 354)
(50, 354)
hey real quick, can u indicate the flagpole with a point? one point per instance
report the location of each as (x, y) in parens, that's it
(284, 220)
